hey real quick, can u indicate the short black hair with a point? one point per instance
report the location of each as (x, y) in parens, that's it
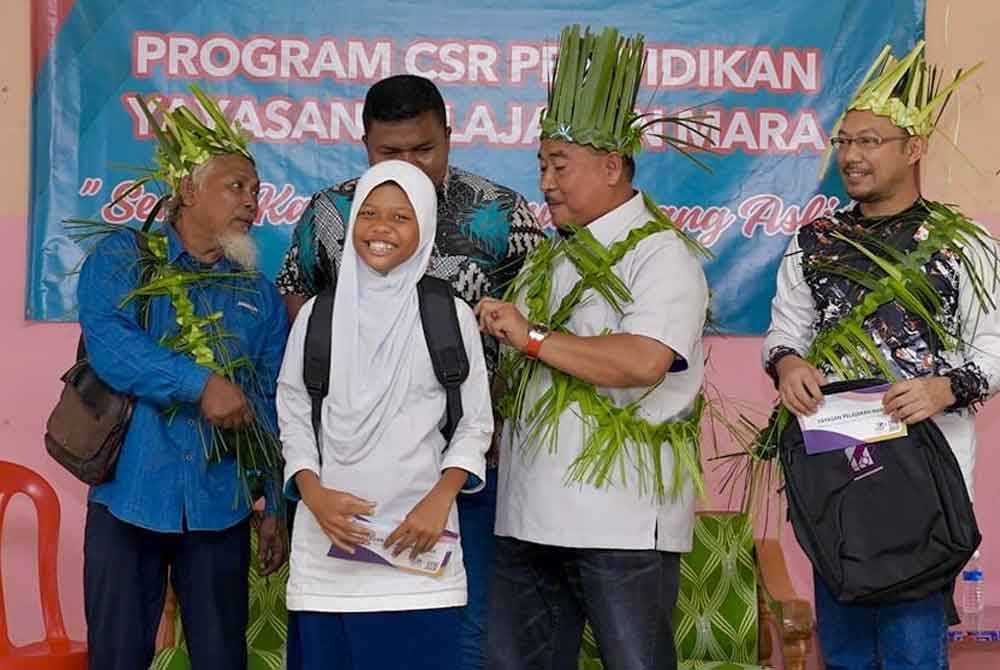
(402, 97)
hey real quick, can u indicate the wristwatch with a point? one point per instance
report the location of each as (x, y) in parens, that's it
(536, 335)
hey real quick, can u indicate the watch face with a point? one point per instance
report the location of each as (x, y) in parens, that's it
(538, 332)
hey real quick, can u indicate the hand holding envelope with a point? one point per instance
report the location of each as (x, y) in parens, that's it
(423, 526)
(918, 399)
(850, 418)
(377, 550)
(798, 385)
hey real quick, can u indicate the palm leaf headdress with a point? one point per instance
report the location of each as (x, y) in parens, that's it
(593, 94)
(185, 142)
(907, 91)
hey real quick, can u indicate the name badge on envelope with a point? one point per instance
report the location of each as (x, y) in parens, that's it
(430, 563)
(849, 418)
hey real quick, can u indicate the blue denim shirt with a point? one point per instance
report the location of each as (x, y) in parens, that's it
(163, 481)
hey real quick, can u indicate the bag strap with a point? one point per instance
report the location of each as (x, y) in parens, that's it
(316, 358)
(442, 332)
(444, 343)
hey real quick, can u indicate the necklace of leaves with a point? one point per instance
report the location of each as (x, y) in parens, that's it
(616, 437)
(255, 447)
(846, 347)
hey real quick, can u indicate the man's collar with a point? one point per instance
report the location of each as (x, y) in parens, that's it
(176, 251)
(917, 209)
(175, 246)
(442, 190)
(611, 225)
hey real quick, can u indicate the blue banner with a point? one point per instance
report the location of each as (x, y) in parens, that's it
(773, 77)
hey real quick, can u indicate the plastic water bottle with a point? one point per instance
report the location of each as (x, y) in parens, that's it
(972, 586)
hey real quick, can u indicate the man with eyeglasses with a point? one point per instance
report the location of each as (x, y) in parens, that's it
(823, 281)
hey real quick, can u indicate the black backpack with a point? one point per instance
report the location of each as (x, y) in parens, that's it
(441, 331)
(885, 523)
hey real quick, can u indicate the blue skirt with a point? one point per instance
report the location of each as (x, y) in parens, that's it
(415, 640)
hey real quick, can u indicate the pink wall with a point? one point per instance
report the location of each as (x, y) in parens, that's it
(31, 359)
(34, 355)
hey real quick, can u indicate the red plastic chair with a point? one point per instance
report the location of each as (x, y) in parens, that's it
(56, 651)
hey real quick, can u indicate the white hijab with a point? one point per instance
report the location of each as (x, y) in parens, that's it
(376, 323)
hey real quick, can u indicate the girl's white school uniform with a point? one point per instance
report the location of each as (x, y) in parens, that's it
(384, 448)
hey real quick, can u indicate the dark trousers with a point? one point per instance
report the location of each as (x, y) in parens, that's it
(541, 596)
(476, 514)
(125, 579)
(410, 640)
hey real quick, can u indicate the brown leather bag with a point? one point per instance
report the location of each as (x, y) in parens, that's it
(86, 429)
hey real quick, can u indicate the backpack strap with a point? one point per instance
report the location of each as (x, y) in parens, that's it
(316, 358)
(444, 343)
(442, 332)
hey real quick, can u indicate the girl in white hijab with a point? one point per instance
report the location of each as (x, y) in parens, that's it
(386, 488)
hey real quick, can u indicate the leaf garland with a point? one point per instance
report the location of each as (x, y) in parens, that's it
(255, 447)
(847, 348)
(617, 438)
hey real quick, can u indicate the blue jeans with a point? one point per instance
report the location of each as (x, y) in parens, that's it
(476, 516)
(900, 636)
(541, 596)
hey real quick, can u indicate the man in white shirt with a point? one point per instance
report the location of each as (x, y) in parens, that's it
(575, 545)
(941, 368)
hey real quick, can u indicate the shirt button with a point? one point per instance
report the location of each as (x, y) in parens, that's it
(188, 457)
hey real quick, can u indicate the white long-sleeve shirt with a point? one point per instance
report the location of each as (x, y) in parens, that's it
(396, 475)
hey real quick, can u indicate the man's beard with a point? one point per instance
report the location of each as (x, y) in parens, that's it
(239, 248)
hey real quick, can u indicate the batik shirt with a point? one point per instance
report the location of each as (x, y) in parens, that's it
(484, 232)
(810, 300)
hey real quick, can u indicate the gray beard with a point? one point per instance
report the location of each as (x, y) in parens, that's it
(240, 249)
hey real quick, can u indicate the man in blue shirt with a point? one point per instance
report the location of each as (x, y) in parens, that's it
(171, 503)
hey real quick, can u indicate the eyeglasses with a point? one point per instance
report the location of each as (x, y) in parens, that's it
(864, 143)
